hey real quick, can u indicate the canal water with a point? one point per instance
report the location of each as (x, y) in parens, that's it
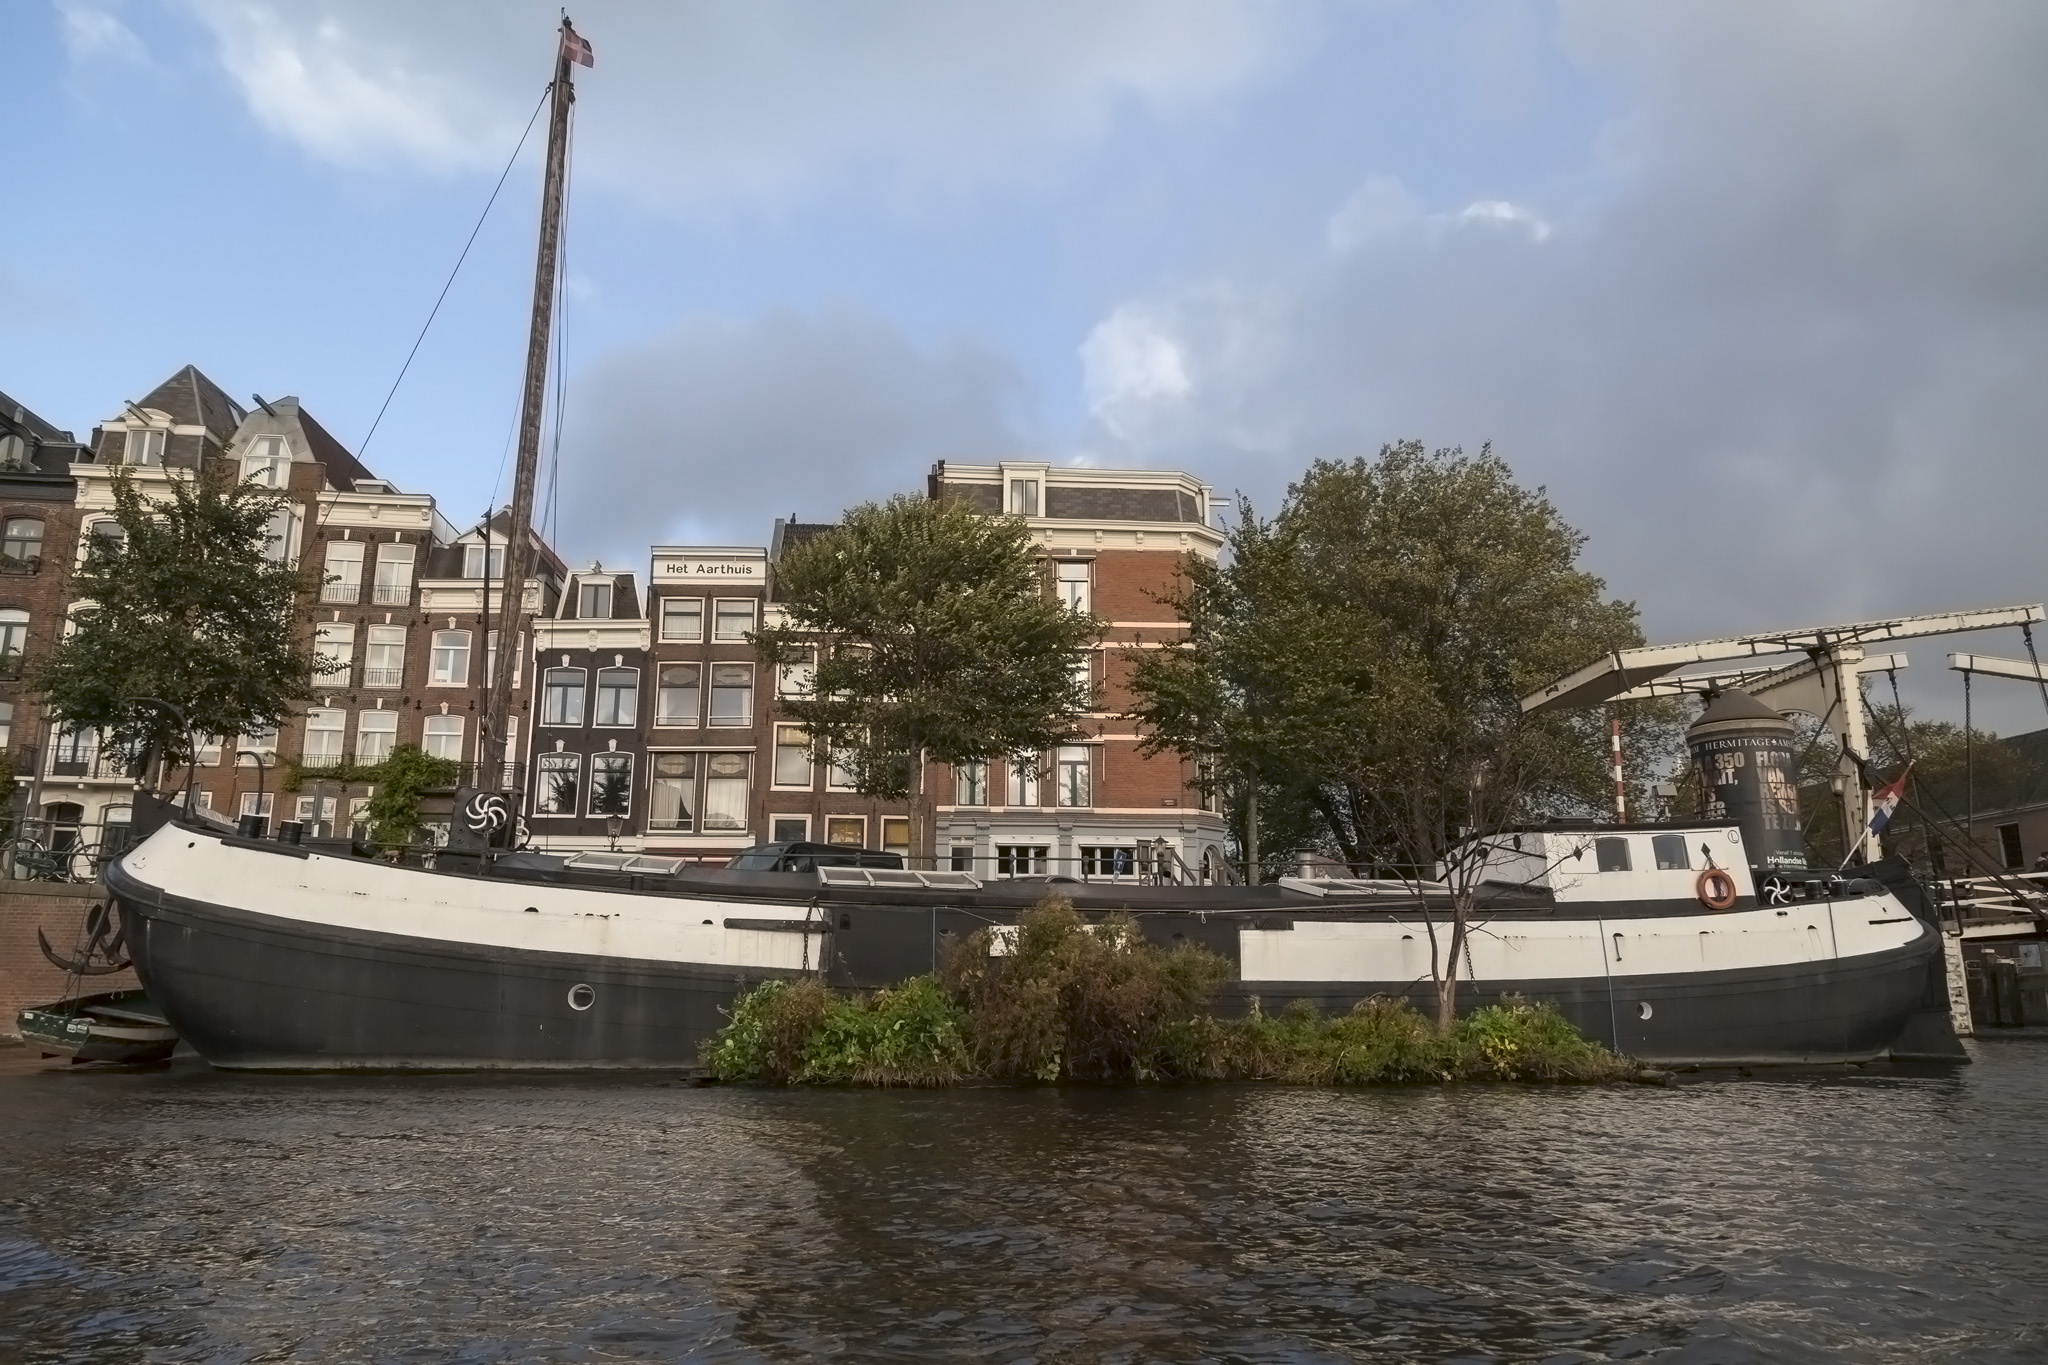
(184, 1215)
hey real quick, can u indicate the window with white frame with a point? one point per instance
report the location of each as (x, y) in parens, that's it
(1021, 860)
(1084, 680)
(732, 694)
(384, 656)
(393, 587)
(334, 650)
(344, 577)
(376, 735)
(491, 657)
(611, 784)
(449, 664)
(316, 814)
(734, 620)
(13, 633)
(1071, 583)
(682, 619)
(725, 791)
(792, 757)
(258, 803)
(144, 445)
(561, 696)
(672, 794)
(443, 737)
(6, 725)
(1023, 497)
(677, 696)
(210, 747)
(618, 700)
(326, 729)
(799, 675)
(267, 462)
(557, 784)
(13, 453)
(1075, 789)
(257, 742)
(970, 783)
(839, 774)
(475, 564)
(73, 750)
(850, 831)
(594, 600)
(1020, 778)
(896, 836)
(279, 535)
(109, 533)
(789, 829)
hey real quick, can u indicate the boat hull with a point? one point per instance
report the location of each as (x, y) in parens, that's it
(264, 958)
(252, 992)
(1805, 1013)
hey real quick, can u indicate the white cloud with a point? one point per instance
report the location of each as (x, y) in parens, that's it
(703, 106)
(1781, 361)
(92, 31)
(1501, 213)
(1129, 363)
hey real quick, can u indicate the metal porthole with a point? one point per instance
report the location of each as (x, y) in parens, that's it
(582, 996)
(1643, 1010)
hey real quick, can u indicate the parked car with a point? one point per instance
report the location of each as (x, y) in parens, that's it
(805, 857)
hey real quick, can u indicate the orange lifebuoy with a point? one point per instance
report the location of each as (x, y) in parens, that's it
(1715, 888)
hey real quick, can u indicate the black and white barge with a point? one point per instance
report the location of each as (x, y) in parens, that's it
(269, 956)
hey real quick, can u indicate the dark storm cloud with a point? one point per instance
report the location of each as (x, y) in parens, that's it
(710, 432)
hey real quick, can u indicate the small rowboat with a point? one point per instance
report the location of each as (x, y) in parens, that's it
(114, 1026)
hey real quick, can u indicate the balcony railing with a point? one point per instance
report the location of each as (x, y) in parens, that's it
(66, 762)
(383, 677)
(346, 594)
(392, 594)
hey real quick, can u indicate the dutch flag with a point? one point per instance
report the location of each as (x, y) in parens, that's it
(1885, 800)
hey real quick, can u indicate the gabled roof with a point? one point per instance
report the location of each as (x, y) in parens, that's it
(194, 400)
(501, 526)
(13, 414)
(343, 469)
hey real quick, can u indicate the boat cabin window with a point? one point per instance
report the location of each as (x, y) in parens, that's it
(1612, 853)
(1670, 851)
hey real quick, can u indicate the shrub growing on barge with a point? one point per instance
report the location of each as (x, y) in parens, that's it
(797, 1032)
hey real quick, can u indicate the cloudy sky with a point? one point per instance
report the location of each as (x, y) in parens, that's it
(1759, 291)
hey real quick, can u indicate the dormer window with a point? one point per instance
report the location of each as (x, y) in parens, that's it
(13, 454)
(594, 601)
(1023, 497)
(144, 446)
(474, 566)
(268, 462)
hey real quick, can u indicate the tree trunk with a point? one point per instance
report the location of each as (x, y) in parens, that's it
(917, 820)
(1251, 832)
(1447, 980)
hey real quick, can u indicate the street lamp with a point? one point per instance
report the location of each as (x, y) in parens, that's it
(191, 745)
(613, 826)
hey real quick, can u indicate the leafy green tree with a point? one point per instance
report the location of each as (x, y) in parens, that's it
(396, 784)
(1365, 653)
(936, 640)
(185, 607)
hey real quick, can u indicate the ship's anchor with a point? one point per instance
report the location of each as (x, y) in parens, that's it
(104, 939)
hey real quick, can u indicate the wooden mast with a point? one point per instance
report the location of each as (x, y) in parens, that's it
(491, 754)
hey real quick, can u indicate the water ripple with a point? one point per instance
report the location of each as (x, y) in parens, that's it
(189, 1216)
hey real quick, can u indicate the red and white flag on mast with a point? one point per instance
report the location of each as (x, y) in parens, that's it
(576, 47)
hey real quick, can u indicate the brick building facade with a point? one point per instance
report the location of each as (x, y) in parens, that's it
(38, 530)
